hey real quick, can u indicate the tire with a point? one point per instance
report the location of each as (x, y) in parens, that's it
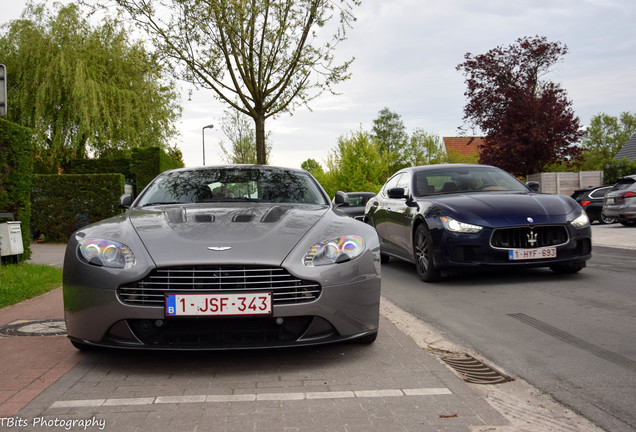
(567, 268)
(606, 219)
(423, 254)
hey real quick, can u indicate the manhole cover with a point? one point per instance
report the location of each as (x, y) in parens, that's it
(54, 327)
(474, 371)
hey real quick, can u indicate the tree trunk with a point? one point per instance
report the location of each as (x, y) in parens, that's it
(261, 155)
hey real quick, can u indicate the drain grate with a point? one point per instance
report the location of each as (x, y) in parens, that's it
(34, 328)
(474, 371)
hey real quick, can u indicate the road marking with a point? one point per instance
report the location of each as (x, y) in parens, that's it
(251, 397)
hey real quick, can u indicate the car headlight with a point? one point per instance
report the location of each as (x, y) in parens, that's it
(106, 253)
(334, 251)
(461, 227)
(581, 221)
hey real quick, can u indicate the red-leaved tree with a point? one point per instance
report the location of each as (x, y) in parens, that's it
(528, 122)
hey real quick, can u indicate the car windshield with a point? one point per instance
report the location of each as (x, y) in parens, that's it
(233, 184)
(464, 179)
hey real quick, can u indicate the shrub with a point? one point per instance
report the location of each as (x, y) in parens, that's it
(65, 203)
(618, 168)
(147, 163)
(16, 166)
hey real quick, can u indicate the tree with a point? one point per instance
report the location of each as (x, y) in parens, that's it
(236, 127)
(605, 136)
(356, 165)
(423, 149)
(389, 130)
(262, 57)
(528, 121)
(312, 166)
(84, 90)
(618, 168)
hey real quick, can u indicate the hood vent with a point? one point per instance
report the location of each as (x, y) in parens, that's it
(274, 214)
(245, 217)
(204, 218)
(176, 215)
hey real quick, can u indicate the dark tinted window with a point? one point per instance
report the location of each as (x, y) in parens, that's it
(599, 193)
(233, 184)
(623, 183)
(464, 179)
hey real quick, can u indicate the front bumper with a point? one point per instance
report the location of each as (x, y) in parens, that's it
(475, 251)
(96, 316)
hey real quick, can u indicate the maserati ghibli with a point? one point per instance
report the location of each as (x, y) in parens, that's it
(452, 217)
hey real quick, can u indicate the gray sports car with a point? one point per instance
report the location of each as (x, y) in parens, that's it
(223, 257)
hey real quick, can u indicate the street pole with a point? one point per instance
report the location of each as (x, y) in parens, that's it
(210, 126)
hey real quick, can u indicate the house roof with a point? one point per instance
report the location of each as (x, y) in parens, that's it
(628, 150)
(463, 145)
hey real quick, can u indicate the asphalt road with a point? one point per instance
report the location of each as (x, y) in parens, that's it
(572, 336)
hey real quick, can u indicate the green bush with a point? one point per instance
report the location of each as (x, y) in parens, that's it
(618, 168)
(65, 203)
(16, 167)
(147, 163)
(100, 166)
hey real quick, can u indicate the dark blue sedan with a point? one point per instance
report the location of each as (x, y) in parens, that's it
(453, 217)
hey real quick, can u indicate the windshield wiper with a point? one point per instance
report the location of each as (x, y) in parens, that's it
(161, 203)
(227, 199)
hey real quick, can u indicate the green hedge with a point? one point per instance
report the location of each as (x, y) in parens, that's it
(618, 168)
(63, 203)
(147, 163)
(16, 167)
(100, 166)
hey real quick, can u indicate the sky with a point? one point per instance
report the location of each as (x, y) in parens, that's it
(406, 53)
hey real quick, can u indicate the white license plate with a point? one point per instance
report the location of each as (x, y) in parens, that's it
(529, 254)
(610, 201)
(226, 304)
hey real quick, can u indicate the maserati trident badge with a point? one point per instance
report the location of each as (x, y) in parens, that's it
(532, 238)
(219, 248)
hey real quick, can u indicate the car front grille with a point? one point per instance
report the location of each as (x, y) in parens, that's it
(529, 237)
(285, 288)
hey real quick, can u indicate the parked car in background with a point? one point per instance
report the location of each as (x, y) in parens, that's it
(228, 257)
(352, 203)
(452, 217)
(620, 200)
(591, 199)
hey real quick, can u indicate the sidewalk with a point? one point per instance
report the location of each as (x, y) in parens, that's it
(30, 364)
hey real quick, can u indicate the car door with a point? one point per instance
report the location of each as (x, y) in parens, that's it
(395, 209)
(379, 210)
(400, 215)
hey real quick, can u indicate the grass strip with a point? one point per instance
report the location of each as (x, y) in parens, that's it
(19, 282)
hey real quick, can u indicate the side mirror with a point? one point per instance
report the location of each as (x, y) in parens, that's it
(341, 199)
(397, 193)
(125, 201)
(534, 185)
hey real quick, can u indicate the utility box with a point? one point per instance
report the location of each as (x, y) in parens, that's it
(11, 238)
